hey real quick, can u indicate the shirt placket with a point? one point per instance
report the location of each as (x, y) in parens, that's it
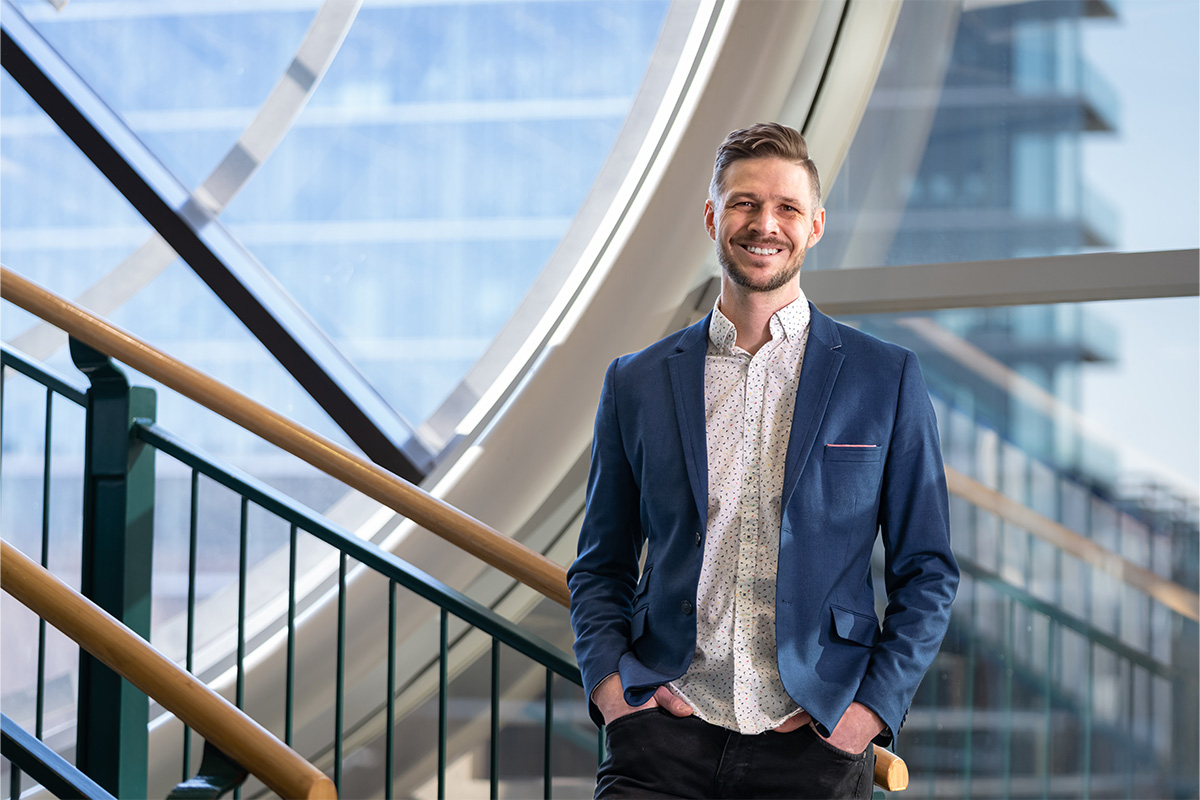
(746, 695)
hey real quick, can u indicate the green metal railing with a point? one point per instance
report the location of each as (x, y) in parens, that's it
(1046, 686)
(457, 615)
(1055, 679)
(53, 385)
(55, 773)
(451, 603)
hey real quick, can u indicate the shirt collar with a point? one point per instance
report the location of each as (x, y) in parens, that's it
(791, 321)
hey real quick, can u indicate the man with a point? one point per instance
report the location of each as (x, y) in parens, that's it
(757, 455)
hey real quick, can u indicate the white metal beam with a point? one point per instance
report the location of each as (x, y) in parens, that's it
(972, 284)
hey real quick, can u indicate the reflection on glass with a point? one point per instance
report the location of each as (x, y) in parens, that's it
(186, 79)
(409, 209)
(979, 139)
(64, 226)
(1060, 676)
(440, 161)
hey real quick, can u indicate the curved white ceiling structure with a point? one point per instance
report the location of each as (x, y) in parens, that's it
(519, 427)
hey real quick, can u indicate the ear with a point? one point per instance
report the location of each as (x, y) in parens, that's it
(710, 224)
(818, 227)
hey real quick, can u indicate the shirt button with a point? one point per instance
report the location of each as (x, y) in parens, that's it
(686, 606)
(699, 539)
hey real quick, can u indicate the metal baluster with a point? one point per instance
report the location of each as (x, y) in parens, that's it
(243, 571)
(1086, 742)
(1006, 748)
(494, 792)
(190, 644)
(289, 718)
(389, 758)
(47, 443)
(1089, 511)
(1051, 629)
(969, 689)
(933, 691)
(339, 708)
(547, 771)
(14, 784)
(14, 774)
(443, 691)
(1130, 756)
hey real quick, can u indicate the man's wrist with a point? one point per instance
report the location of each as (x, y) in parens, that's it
(872, 715)
(609, 697)
(603, 681)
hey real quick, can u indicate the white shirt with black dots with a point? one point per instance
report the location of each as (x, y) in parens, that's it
(733, 680)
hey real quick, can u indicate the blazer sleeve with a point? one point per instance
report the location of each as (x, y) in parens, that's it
(604, 576)
(920, 573)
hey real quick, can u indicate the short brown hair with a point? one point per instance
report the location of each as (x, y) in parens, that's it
(764, 140)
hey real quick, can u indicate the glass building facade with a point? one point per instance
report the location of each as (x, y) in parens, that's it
(994, 169)
(408, 185)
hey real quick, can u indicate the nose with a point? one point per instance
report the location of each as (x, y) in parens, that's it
(763, 221)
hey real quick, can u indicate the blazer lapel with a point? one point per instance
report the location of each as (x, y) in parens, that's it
(686, 367)
(822, 361)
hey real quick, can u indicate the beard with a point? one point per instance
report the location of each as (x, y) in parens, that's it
(743, 278)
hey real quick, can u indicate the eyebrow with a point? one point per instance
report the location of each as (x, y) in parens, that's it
(752, 196)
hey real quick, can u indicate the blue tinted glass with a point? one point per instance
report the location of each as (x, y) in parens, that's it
(441, 159)
(1020, 132)
(1074, 413)
(64, 225)
(185, 79)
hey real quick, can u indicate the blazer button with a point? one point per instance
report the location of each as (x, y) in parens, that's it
(699, 539)
(686, 606)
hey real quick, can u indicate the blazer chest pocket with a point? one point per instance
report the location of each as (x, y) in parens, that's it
(854, 627)
(853, 452)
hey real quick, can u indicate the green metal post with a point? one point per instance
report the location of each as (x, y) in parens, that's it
(548, 753)
(443, 699)
(494, 792)
(118, 535)
(389, 770)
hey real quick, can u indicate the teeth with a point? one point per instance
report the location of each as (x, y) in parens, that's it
(762, 251)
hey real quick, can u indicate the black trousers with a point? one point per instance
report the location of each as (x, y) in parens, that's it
(652, 753)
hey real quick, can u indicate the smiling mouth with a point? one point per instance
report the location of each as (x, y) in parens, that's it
(760, 251)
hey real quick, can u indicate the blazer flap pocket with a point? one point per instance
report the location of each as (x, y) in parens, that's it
(643, 584)
(637, 626)
(853, 452)
(855, 627)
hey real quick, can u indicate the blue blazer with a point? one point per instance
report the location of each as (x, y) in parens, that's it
(648, 485)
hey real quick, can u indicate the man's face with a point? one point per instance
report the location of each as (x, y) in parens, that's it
(763, 222)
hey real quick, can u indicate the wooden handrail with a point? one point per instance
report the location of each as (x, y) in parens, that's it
(462, 530)
(216, 719)
(443, 519)
(197, 706)
(891, 773)
(1170, 594)
(473, 536)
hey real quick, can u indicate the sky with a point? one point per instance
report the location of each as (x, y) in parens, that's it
(1149, 170)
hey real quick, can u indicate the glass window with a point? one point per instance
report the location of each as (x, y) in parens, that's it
(1077, 412)
(187, 79)
(1032, 129)
(430, 179)
(414, 201)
